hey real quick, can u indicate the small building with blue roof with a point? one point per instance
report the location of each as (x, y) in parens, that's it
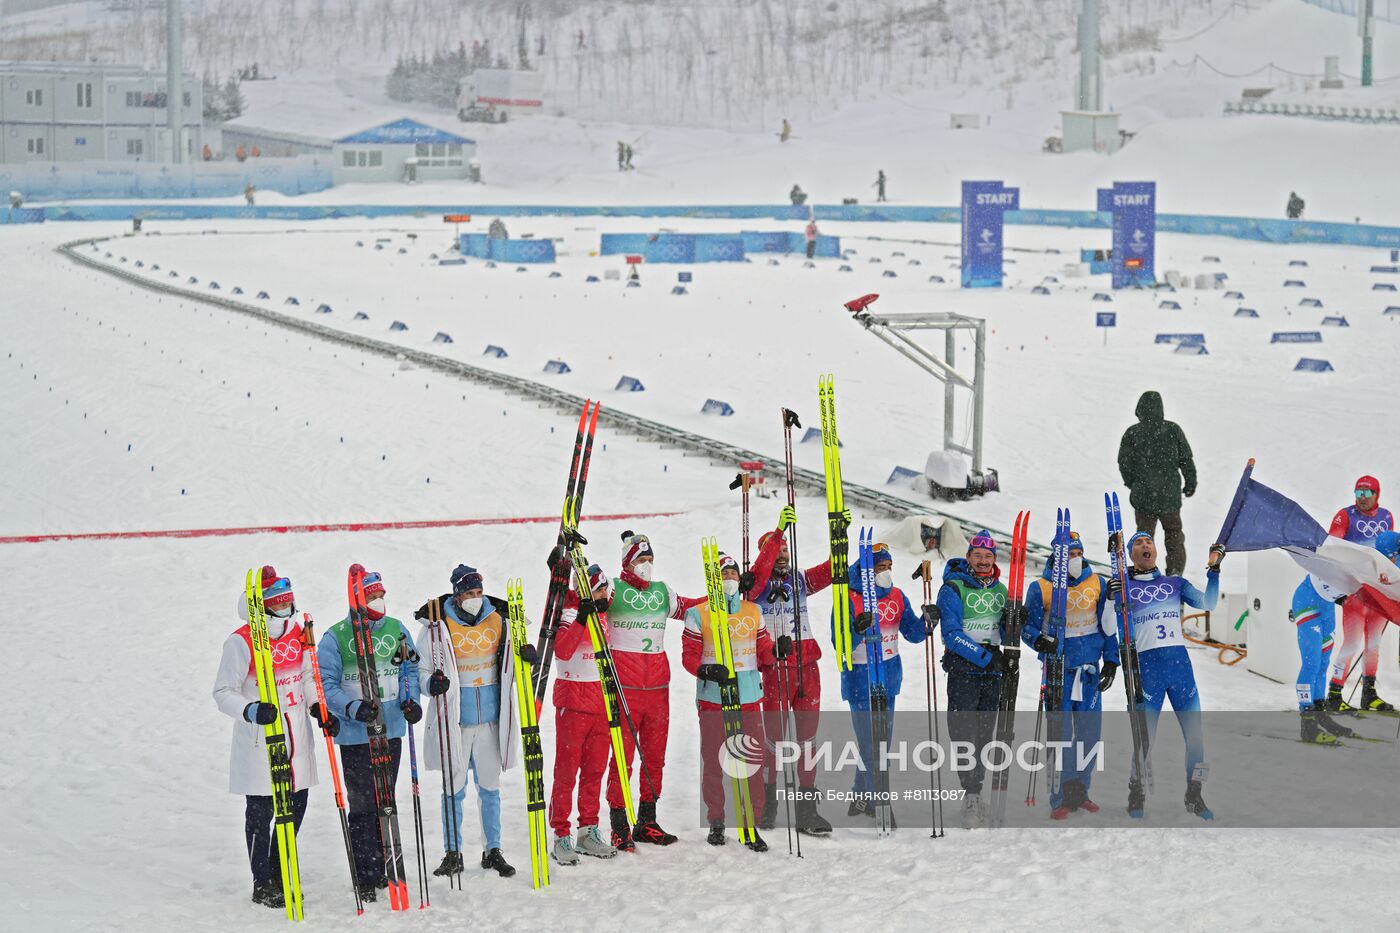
(404, 151)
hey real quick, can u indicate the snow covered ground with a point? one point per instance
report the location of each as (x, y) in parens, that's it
(121, 800)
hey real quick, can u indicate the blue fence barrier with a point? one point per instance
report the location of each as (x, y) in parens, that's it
(482, 246)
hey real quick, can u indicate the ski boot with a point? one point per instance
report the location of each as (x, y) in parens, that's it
(1312, 734)
(1137, 799)
(1073, 795)
(1195, 803)
(451, 865)
(770, 807)
(647, 829)
(1328, 723)
(1335, 703)
(269, 896)
(563, 851)
(859, 807)
(1370, 702)
(621, 830)
(1060, 813)
(716, 836)
(1088, 806)
(756, 842)
(973, 812)
(809, 821)
(590, 842)
(494, 859)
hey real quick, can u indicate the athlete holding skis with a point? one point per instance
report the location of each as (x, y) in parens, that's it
(895, 616)
(397, 692)
(1089, 639)
(752, 649)
(581, 737)
(463, 673)
(236, 695)
(1156, 603)
(1362, 626)
(971, 608)
(772, 592)
(640, 609)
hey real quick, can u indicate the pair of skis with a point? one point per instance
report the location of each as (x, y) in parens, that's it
(279, 761)
(838, 524)
(879, 695)
(937, 828)
(1005, 727)
(559, 566)
(380, 753)
(442, 656)
(1054, 668)
(1127, 646)
(529, 738)
(730, 708)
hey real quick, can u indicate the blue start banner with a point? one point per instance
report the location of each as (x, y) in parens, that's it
(984, 205)
(1133, 205)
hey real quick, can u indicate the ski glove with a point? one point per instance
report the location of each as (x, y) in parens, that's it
(529, 655)
(328, 723)
(746, 581)
(365, 710)
(931, 618)
(861, 622)
(788, 516)
(1018, 613)
(556, 560)
(264, 714)
(997, 663)
(438, 684)
(590, 607)
(1115, 586)
(1189, 490)
(1217, 557)
(784, 647)
(1110, 670)
(716, 673)
(411, 711)
(1044, 644)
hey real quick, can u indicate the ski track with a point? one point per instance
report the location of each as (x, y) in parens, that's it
(116, 771)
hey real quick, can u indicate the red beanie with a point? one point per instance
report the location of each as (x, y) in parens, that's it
(1369, 482)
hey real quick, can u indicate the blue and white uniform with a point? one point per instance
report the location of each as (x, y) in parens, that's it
(1315, 615)
(1156, 603)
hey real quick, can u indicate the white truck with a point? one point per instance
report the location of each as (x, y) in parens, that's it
(493, 95)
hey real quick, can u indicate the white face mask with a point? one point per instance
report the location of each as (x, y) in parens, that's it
(642, 570)
(731, 587)
(282, 612)
(471, 605)
(884, 579)
(376, 604)
(1076, 566)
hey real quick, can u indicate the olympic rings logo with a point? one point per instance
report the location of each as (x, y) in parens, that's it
(888, 611)
(644, 600)
(985, 603)
(384, 643)
(482, 642)
(285, 652)
(1080, 599)
(742, 626)
(1152, 592)
(1372, 527)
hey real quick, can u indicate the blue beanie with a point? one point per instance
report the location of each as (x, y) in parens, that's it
(983, 539)
(1388, 543)
(465, 578)
(882, 552)
(1140, 534)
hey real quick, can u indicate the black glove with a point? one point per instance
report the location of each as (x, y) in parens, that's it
(746, 581)
(783, 648)
(366, 711)
(931, 618)
(589, 606)
(716, 673)
(997, 664)
(1115, 586)
(1189, 490)
(1018, 613)
(529, 655)
(1217, 557)
(328, 723)
(438, 684)
(1110, 670)
(264, 714)
(861, 622)
(411, 711)
(1044, 644)
(557, 557)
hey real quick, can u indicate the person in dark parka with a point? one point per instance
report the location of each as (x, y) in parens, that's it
(1155, 461)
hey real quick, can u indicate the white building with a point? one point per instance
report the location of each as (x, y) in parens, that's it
(82, 112)
(404, 150)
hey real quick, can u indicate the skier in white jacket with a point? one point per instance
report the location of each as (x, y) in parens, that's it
(236, 694)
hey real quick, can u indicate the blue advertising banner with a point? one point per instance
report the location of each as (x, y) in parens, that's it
(1133, 205)
(984, 204)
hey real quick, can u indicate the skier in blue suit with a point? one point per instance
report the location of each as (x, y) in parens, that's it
(1155, 603)
(1314, 612)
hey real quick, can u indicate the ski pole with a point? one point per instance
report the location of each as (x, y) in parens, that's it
(309, 645)
(424, 900)
(449, 787)
(789, 422)
(741, 482)
(925, 571)
(788, 782)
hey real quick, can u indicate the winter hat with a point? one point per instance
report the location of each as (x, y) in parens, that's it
(767, 536)
(882, 552)
(371, 584)
(1140, 534)
(633, 547)
(465, 578)
(597, 579)
(1388, 543)
(727, 563)
(276, 591)
(1369, 482)
(983, 539)
(1075, 542)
